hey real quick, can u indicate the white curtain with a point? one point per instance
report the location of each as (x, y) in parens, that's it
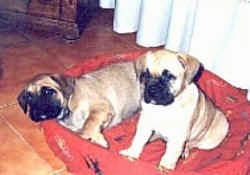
(215, 31)
(107, 4)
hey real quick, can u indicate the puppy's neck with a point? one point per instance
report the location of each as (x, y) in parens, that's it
(189, 94)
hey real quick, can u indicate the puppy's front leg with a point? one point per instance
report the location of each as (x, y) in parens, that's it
(171, 156)
(92, 129)
(141, 137)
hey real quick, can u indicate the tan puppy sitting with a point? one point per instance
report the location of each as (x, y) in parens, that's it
(86, 104)
(175, 109)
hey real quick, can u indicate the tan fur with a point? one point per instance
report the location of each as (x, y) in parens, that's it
(97, 100)
(191, 121)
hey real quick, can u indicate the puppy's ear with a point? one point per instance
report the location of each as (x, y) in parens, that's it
(22, 101)
(65, 82)
(190, 64)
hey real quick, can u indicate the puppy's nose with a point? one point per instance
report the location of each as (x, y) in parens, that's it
(154, 89)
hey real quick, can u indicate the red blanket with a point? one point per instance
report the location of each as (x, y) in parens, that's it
(232, 157)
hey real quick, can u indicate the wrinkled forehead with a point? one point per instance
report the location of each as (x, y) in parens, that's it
(157, 63)
(40, 82)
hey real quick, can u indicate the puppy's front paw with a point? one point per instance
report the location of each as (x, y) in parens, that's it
(98, 139)
(102, 142)
(163, 170)
(165, 164)
(130, 154)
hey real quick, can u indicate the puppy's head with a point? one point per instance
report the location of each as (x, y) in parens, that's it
(166, 74)
(45, 97)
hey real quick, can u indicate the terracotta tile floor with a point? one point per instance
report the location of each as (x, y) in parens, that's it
(23, 54)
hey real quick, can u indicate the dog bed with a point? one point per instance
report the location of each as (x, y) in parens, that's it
(81, 157)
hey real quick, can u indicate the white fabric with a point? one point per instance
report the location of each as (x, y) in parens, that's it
(156, 28)
(232, 62)
(213, 27)
(126, 16)
(180, 29)
(216, 32)
(107, 4)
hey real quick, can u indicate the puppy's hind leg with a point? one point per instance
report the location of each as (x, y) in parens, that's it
(98, 118)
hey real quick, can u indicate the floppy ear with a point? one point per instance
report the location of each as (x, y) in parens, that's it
(65, 82)
(22, 101)
(190, 64)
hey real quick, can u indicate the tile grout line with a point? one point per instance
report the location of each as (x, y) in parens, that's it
(19, 135)
(7, 105)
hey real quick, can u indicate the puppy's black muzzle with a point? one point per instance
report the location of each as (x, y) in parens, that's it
(42, 110)
(156, 89)
(155, 92)
(42, 106)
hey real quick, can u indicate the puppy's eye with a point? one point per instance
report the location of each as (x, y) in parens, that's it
(47, 91)
(166, 76)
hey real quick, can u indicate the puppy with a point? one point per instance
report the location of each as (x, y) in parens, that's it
(175, 109)
(86, 104)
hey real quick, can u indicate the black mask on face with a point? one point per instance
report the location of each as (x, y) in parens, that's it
(157, 89)
(43, 106)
